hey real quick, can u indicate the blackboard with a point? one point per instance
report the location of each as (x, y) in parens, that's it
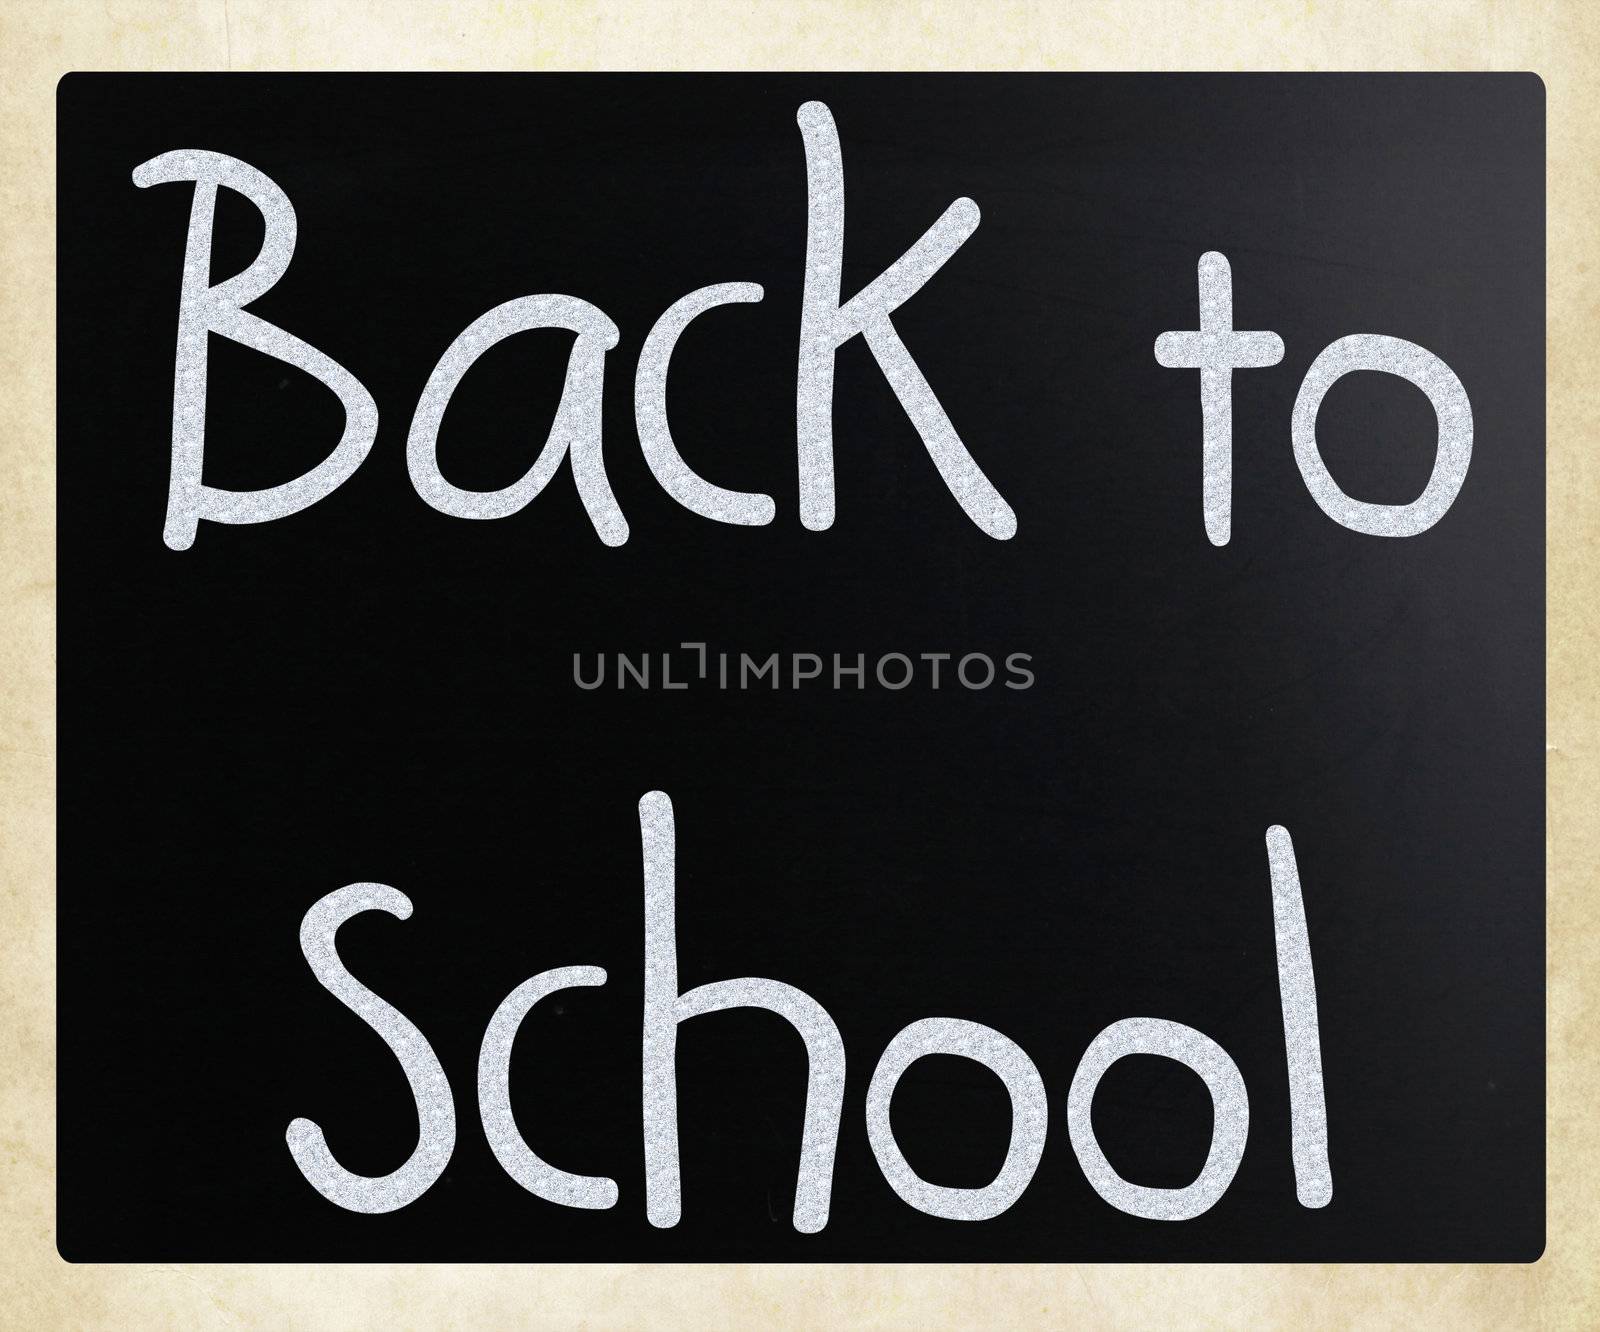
(489, 717)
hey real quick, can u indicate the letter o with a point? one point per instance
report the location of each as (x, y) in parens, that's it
(1453, 452)
(904, 680)
(1029, 1115)
(1230, 1107)
(961, 670)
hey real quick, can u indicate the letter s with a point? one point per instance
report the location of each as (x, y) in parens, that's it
(436, 1111)
(1023, 676)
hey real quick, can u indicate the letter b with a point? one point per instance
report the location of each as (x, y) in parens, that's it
(205, 309)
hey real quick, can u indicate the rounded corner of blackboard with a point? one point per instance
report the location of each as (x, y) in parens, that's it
(1536, 1251)
(67, 1252)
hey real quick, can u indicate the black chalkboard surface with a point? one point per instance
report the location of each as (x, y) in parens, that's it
(1165, 719)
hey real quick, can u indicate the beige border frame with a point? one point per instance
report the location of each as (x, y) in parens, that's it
(39, 41)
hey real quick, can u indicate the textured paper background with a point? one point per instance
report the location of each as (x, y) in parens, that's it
(40, 40)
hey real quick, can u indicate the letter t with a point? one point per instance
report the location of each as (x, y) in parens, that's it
(1216, 350)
